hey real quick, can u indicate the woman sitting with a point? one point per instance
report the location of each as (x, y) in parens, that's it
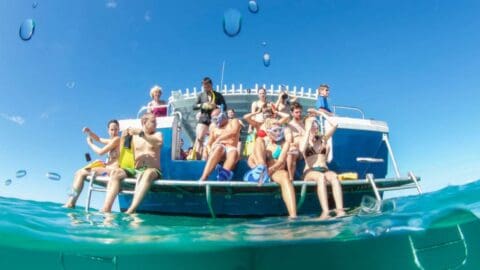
(315, 152)
(268, 162)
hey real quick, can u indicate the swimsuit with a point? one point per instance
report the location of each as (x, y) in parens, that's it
(315, 169)
(132, 173)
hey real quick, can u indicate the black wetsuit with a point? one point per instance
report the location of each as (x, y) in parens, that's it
(205, 117)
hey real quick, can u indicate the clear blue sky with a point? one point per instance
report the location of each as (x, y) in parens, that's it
(414, 64)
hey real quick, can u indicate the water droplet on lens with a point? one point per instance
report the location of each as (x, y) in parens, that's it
(54, 176)
(34, 5)
(21, 173)
(266, 59)
(264, 43)
(70, 84)
(27, 29)
(253, 6)
(8, 182)
(232, 22)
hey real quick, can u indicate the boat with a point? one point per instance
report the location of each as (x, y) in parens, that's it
(360, 146)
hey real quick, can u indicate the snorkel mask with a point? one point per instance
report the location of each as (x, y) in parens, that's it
(221, 119)
(277, 133)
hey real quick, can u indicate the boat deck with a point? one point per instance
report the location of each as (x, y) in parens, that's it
(214, 191)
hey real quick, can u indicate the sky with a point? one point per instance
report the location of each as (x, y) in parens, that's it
(414, 64)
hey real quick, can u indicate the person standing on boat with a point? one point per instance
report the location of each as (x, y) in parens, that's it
(157, 106)
(269, 157)
(294, 133)
(207, 101)
(323, 91)
(283, 102)
(315, 150)
(111, 148)
(222, 145)
(147, 143)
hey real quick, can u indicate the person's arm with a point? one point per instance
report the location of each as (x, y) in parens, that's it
(253, 107)
(281, 160)
(288, 134)
(284, 117)
(329, 119)
(198, 104)
(334, 125)
(249, 118)
(155, 139)
(112, 143)
(306, 137)
(292, 98)
(91, 134)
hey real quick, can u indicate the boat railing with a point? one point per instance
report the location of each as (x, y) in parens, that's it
(241, 90)
(349, 108)
(99, 183)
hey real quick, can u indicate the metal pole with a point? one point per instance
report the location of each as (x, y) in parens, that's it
(223, 70)
(390, 152)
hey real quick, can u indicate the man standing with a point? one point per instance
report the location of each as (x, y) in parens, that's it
(223, 145)
(207, 101)
(147, 143)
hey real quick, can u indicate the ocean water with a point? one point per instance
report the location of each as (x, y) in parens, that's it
(438, 230)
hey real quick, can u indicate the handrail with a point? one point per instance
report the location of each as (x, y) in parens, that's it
(349, 108)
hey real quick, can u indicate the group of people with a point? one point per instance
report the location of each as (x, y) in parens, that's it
(282, 137)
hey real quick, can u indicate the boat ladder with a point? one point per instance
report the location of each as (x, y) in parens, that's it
(377, 190)
(427, 250)
(92, 188)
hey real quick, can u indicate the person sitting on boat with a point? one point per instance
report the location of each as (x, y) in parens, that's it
(268, 160)
(157, 106)
(231, 115)
(147, 143)
(323, 92)
(315, 151)
(257, 120)
(294, 134)
(206, 102)
(259, 104)
(111, 148)
(283, 102)
(222, 145)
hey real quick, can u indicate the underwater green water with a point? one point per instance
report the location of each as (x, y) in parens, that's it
(439, 230)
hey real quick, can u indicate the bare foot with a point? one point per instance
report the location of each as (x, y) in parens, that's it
(324, 216)
(340, 213)
(68, 205)
(130, 211)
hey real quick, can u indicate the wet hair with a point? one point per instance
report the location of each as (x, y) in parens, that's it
(324, 85)
(295, 105)
(154, 89)
(113, 121)
(207, 80)
(146, 116)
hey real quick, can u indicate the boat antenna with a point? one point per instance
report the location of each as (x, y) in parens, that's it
(223, 70)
